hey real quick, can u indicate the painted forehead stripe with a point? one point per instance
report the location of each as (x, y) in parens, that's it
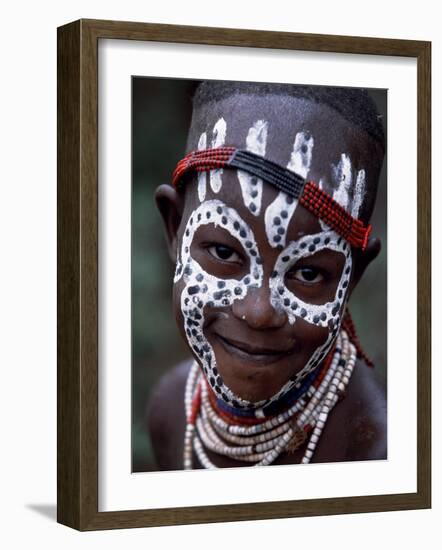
(309, 194)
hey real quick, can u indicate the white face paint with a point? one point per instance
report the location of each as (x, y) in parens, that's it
(321, 315)
(342, 178)
(343, 182)
(202, 176)
(251, 186)
(280, 211)
(203, 289)
(358, 194)
(219, 138)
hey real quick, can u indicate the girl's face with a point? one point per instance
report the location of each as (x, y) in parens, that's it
(256, 316)
(260, 284)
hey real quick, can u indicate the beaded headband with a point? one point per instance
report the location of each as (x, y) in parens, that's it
(310, 196)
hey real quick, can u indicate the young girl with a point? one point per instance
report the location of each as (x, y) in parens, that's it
(267, 221)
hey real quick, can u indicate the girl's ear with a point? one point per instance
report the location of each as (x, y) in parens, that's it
(362, 259)
(170, 205)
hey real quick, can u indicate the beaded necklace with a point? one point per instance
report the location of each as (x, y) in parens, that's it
(261, 442)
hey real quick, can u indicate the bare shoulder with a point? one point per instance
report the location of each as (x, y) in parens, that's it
(366, 409)
(357, 427)
(165, 417)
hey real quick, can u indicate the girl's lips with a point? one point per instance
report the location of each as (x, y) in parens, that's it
(253, 353)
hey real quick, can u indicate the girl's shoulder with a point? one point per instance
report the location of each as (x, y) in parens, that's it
(166, 419)
(358, 424)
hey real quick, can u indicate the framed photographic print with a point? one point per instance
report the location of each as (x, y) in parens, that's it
(243, 274)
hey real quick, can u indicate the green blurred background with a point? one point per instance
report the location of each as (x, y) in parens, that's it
(161, 110)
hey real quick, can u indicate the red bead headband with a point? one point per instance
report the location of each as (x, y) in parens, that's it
(310, 196)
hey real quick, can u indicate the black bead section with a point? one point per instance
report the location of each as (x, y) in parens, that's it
(193, 289)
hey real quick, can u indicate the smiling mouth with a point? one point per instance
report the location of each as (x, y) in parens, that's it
(253, 353)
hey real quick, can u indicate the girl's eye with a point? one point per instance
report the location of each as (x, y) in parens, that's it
(307, 275)
(224, 253)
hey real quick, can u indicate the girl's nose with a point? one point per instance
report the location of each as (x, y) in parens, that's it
(257, 311)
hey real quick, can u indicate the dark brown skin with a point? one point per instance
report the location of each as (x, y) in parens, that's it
(356, 428)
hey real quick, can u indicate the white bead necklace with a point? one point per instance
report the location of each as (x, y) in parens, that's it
(262, 443)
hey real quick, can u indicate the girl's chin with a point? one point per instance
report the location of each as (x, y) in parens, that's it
(253, 380)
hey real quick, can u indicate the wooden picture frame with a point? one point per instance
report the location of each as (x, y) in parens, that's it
(77, 459)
